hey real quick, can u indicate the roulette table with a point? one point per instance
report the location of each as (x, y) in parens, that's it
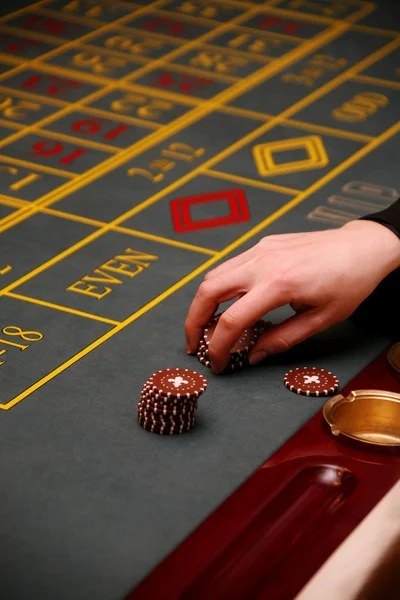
(142, 143)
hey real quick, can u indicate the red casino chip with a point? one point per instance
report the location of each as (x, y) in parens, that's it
(311, 381)
(177, 383)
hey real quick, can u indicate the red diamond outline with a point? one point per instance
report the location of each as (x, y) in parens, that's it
(180, 210)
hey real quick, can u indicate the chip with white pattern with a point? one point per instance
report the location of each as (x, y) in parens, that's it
(311, 381)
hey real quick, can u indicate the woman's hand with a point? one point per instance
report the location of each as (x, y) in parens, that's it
(323, 275)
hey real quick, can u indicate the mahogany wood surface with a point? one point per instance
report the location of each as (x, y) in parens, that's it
(276, 530)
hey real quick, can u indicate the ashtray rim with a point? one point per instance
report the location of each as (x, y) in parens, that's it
(393, 357)
(356, 395)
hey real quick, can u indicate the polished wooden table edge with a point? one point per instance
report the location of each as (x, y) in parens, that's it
(350, 569)
(289, 516)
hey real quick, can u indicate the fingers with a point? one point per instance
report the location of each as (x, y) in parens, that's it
(244, 313)
(291, 332)
(209, 295)
(232, 263)
(299, 307)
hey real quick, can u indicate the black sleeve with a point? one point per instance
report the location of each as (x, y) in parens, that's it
(390, 217)
(381, 310)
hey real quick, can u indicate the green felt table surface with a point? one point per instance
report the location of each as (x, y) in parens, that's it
(90, 501)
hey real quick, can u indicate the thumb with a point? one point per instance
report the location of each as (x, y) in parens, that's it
(289, 333)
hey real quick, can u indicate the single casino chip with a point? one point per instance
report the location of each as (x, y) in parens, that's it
(177, 383)
(311, 381)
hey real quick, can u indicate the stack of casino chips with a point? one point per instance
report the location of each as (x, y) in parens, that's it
(239, 358)
(169, 399)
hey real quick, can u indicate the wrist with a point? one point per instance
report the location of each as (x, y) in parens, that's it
(384, 243)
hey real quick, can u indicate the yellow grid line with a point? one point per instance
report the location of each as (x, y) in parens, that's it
(279, 119)
(61, 308)
(11, 125)
(252, 182)
(34, 97)
(201, 110)
(23, 10)
(214, 258)
(38, 167)
(126, 119)
(288, 38)
(384, 50)
(190, 101)
(127, 231)
(375, 30)
(141, 68)
(227, 51)
(51, 198)
(97, 23)
(90, 110)
(84, 242)
(262, 9)
(33, 35)
(377, 81)
(71, 139)
(287, 13)
(75, 19)
(38, 64)
(193, 44)
(13, 202)
(155, 35)
(245, 112)
(222, 254)
(52, 261)
(18, 216)
(136, 61)
(9, 217)
(204, 21)
(109, 85)
(12, 61)
(163, 240)
(185, 68)
(197, 113)
(341, 133)
(242, 112)
(240, 143)
(70, 216)
(170, 55)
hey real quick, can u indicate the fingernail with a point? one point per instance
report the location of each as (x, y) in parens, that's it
(257, 357)
(189, 349)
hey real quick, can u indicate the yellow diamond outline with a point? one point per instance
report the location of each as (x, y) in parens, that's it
(313, 144)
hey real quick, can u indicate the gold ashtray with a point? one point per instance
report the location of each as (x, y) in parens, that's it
(366, 416)
(394, 360)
